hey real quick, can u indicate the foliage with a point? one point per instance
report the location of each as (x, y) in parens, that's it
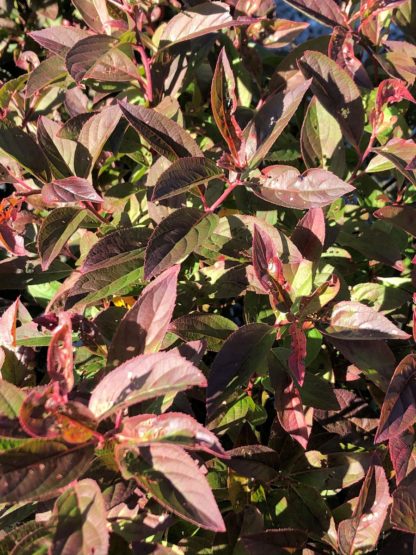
(207, 276)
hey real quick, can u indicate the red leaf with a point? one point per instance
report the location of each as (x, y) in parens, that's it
(298, 352)
(60, 357)
(309, 234)
(69, 189)
(341, 50)
(399, 407)
(360, 533)
(400, 451)
(389, 91)
(290, 411)
(267, 264)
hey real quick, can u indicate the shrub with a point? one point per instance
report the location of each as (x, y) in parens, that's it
(207, 241)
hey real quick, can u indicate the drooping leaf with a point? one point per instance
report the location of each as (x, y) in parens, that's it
(224, 105)
(361, 532)
(164, 135)
(285, 186)
(38, 469)
(309, 234)
(182, 488)
(322, 140)
(60, 356)
(172, 428)
(141, 378)
(175, 238)
(56, 230)
(328, 12)
(336, 91)
(69, 189)
(354, 320)
(100, 56)
(402, 216)
(403, 511)
(243, 354)
(81, 521)
(59, 39)
(214, 328)
(200, 20)
(184, 175)
(144, 326)
(399, 407)
(21, 147)
(268, 123)
(400, 451)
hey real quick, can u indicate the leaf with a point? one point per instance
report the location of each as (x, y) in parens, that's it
(30, 535)
(360, 533)
(11, 399)
(214, 328)
(36, 470)
(59, 39)
(242, 355)
(21, 147)
(102, 58)
(354, 320)
(399, 407)
(184, 175)
(94, 13)
(141, 378)
(175, 238)
(182, 488)
(403, 216)
(268, 123)
(224, 105)
(50, 70)
(81, 521)
(60, 152)
(341, 50)
(321, 140)
(144, 326)
(172, 428)
(328, 12)
(60, 357)
(204, 18)
(315, 188)
(403, 511)
(397, 153)
(337, 93)
(56, 229)
(309, 234)
(114, 246)
(400, 451)
(69, 189)
(276, 541)
(164, 135)
(298, 353)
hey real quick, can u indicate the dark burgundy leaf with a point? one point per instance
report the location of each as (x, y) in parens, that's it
(297, 352)
(309, 234)
(400, 451)
(403, 511)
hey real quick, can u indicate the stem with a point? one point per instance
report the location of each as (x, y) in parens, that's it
(363, 157)
(91, 207)
(221, 199)
(146, 65)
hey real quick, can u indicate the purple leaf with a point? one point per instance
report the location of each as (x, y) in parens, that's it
(141, 378)
(354, 320)
(181, 488)
(59, 39)
(403, 511)
(400, 451)
(285, 186)
(328, 12)
(69, 189)
(297, 352)
(403, 216)
(309, 234)
(399, 407)
(341, 50)
(336, 91)
(144, 326)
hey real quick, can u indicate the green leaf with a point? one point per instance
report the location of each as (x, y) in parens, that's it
(11, 399)
(214, 328)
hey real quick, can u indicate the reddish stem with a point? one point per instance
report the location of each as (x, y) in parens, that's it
(222, 197)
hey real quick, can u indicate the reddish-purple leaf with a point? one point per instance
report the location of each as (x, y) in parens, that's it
(11, 241)
(297, 352)
(141, 378)
(224, 105)
(59, 39)
(169, 474)
(354, 320)
(341, 50)
(172, 428)
(336, 91)
(399, 152)
(270, 121)
(403, 216)
(266, 262)
(309, 234)
(69, 189)
(399, 407)
(81, 521)
(389, 91)
(144, 326)
(400, 451)
(360, 533)
(328, 12)
(285, 186)
(60, 357)
(403, 511)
